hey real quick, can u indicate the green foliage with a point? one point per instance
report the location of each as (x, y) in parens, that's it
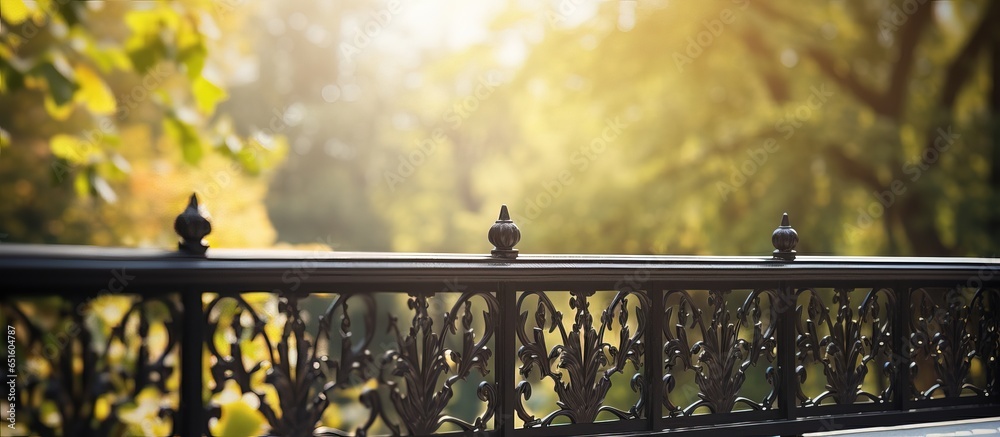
(97, 70)
(612, 127)
(692, 129)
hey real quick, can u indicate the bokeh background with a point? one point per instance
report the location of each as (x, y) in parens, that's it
(664, 127)
(646, 127)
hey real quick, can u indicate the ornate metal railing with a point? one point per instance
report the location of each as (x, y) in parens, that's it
(128, 341)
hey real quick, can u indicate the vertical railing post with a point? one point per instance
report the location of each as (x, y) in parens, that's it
(506, 346)
(900, 347)
(192, 225)
(788, 389)
(191, 421)
(504, 235)
(784, 239)
(654, 355)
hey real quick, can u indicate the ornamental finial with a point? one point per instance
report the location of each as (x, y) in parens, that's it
(784, 240)
(192, 226)
(504, 235)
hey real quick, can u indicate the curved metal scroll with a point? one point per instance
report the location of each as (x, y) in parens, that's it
(722, 357)
(849, 345)
(584, 354)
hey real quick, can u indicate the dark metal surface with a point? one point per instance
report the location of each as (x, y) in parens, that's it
(504, 235)
(192, 226)
(535, 345)
(586, 359)
(722, 357)
(784, 240)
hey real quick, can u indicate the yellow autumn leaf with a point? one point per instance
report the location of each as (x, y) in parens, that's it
(143, 414)
(332, 417)
(14, 11)
(238, 417)
(107, 58)
(93, 92)
(102, 408)
(55, 110)
(238, 420)
(207, 95)
(66, 147)
(73, 149)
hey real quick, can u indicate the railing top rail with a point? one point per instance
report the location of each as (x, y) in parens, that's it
(40, 267)
(193, 263)
(39, 253)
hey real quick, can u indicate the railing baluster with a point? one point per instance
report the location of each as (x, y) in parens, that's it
(654, 355)
(507, 350)
(786, 351)
(191, 418)
(784, 239)
(192, 226)
(900, 347)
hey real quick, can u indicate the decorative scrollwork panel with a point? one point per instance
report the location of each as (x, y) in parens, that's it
(719, 350)
(436, 370)
(341, 364)
(101, 366)
(288, 358)
(850, 345)
(585, 362)
(953, 342)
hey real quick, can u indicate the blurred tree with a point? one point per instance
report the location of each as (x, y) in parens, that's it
(319, 96)
(97, 98)
(642, 127)
(631, 127)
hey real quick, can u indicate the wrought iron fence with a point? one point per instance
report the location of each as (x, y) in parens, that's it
(107, 341)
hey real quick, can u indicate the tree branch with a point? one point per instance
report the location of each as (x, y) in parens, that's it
(854, 167)
(849, 81)
(776, 83)
(890, 103)
(959, 69)
(914, 207)
(909, 36)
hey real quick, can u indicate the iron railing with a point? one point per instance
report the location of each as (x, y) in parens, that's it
(111, 341)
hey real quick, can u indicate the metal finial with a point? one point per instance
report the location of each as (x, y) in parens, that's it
(784, 240)
(504, 235)
(192, 226)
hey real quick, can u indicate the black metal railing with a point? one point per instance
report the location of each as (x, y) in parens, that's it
(109, 341)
